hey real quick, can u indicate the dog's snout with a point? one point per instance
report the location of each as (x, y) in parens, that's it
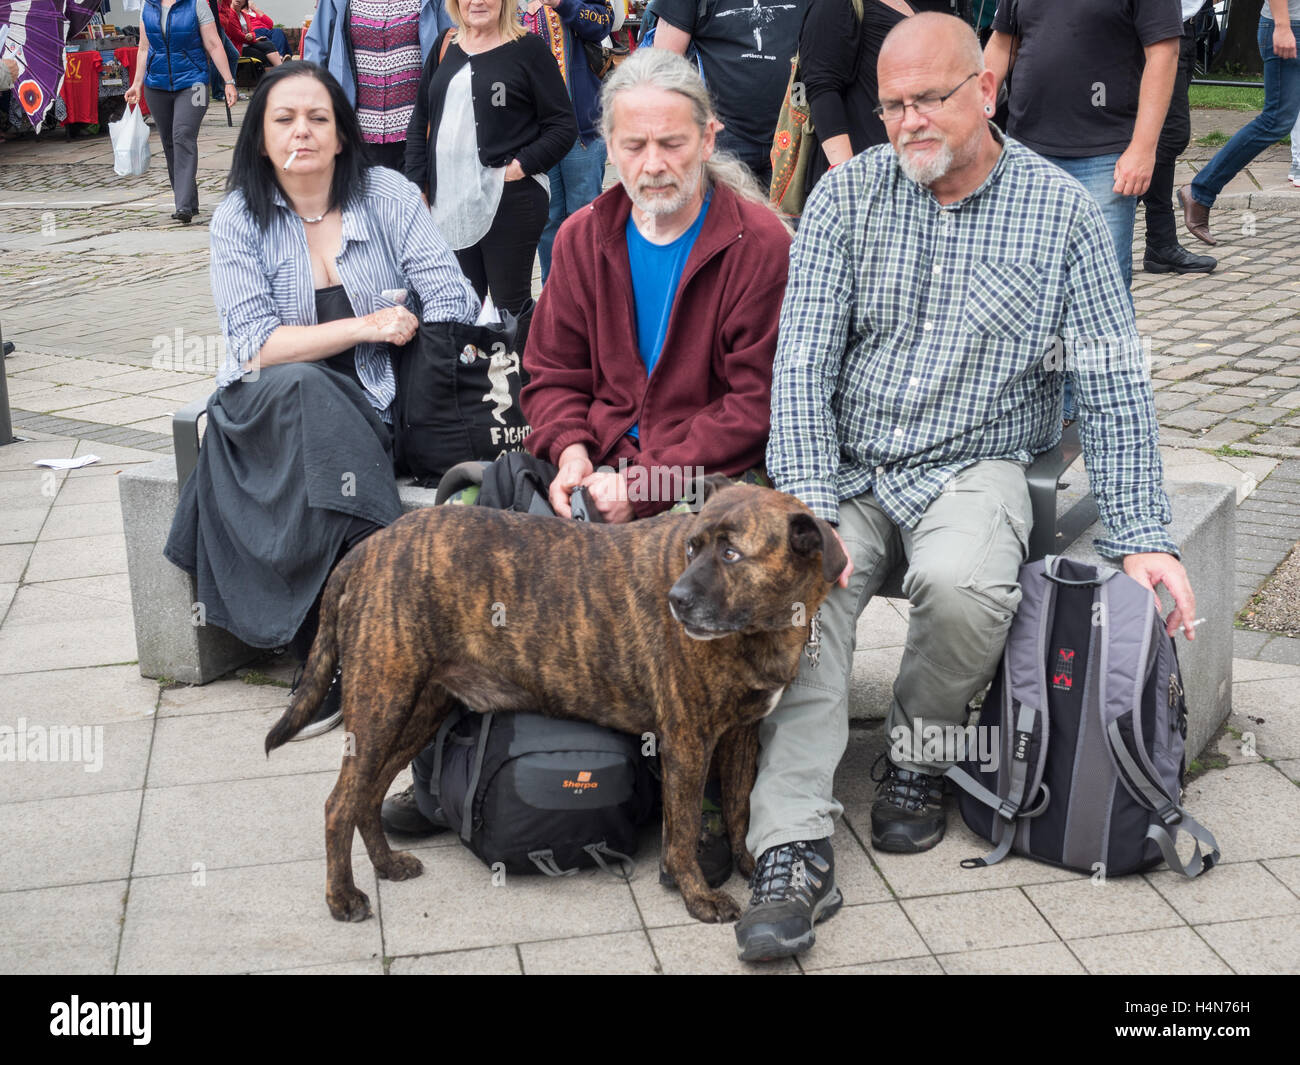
(681, 599)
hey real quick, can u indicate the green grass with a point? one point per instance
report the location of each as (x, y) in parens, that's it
(253, 676)
(1214, 139)
(1225, 98)
(1227, 451)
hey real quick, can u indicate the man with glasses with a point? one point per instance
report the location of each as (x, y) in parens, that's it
(913, 384)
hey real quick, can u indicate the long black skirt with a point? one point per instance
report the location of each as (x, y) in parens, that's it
(292, 464)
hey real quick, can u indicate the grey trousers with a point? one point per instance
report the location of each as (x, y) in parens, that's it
(964, 558)
(177, 116)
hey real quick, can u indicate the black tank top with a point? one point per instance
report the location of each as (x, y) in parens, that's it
(332, 304)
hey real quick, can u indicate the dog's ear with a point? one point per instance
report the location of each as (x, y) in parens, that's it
(809, 535)
(699, 489)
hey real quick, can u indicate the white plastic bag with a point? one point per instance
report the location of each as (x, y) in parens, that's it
(130, 143)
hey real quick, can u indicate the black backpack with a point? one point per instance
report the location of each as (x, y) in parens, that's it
(540, 794)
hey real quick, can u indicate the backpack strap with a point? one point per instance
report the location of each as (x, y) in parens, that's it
(467, 814)
(627, 867)
(546, 863)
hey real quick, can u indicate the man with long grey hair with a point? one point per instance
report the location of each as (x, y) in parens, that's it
(650, 353)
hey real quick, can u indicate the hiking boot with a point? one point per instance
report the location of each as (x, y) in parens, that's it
(713, 851)
(401, 814)
(908, 815)
(328, 715)
(793, 888)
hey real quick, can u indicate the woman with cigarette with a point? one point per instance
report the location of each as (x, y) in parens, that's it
(313, 256)
(177, 38)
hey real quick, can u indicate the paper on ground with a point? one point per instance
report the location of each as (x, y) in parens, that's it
(67, 464)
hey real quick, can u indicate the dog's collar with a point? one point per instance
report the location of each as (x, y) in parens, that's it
(813, 647)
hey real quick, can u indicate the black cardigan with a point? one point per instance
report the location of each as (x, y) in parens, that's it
(535, 126)
(837, 62)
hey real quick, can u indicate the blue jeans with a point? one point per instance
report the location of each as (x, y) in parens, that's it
(575, 182)
(1096, 173)
(1281, 105)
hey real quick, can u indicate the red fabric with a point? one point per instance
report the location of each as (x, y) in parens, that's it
(81, 86)
(707, 402)
(257, 20)
(230, 23)
(127, 57)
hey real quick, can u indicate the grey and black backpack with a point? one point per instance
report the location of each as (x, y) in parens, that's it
(1091, 718)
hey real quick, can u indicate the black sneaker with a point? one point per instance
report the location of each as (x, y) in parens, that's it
(1176, 260)
(908, 816)
(401, 814)
(330, 712)
(793, 889)
(713, 851)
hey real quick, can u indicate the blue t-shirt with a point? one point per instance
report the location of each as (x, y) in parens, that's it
(656, 273)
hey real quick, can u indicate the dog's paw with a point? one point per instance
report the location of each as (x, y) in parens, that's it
(401, 866)
(744, 862)
(350, 905)
(713, 907)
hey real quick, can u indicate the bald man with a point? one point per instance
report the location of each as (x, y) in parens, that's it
(914, 382)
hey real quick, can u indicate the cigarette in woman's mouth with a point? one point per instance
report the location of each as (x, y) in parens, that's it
(292, 156)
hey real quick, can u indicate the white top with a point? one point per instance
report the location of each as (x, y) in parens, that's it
(468, 192)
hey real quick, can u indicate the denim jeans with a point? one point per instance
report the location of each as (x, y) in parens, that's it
(1096, 173)
(963, 564)
(1281, 105)
(575, 182)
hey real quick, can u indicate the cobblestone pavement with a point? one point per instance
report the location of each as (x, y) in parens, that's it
(108, 302)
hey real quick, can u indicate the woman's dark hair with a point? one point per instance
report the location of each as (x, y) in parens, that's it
(253, 174)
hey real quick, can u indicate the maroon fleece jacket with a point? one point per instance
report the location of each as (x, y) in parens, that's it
(707, 402)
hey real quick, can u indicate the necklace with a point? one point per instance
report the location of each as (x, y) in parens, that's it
(313, 221)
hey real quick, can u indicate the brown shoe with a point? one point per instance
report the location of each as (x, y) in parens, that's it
(1196, 217)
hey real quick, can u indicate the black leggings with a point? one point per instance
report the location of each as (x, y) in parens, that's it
(502, 262)
(258, 49)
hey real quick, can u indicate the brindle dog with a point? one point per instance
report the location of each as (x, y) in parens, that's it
(687, 626)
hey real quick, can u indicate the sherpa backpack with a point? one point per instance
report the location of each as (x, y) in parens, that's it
(541, 794)
(1089, 705)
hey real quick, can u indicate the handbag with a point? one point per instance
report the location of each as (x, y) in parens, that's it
(600, 60)
(793, 145)
(458, 392)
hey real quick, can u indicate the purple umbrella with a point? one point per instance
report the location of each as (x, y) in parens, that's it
(79, 13)
(37, 30)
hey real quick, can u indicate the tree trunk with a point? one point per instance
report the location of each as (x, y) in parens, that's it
(1241, 40)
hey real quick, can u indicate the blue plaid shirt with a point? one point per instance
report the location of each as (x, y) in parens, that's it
(261, 279)
(917, 339)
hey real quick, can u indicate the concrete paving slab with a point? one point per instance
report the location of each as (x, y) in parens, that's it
(1253, 811)
(77, 491)
(1162, 952)
(82, 556)
(1229, 892)
(202, 748)
(111, 457)
(19, 525)
(486, 961)
(1290, 767)
(925, 966)
(62, 398)
(1287, 870)
(108, 758)
(976, 920)
(873, 932)
(21, 456)
(1083, 907)
(453, 905)
(7, 592)
(13, 561)
(73, 840)
(242, 920)
(708, 949)
(1036, 959)
(1249, 669)
(60, 696)
(65, 371)
(84, 519)
(62, 930)
(43, 645)
(613, 954)
(224, 696)
(1262, 946)
(361, 967)
(125, 410)
(1267, 710)
(234, 823)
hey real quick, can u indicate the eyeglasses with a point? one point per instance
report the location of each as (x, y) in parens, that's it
(923, 105)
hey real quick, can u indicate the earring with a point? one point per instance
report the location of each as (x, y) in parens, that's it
(988, 110)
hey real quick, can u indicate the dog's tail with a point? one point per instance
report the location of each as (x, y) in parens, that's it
(318, 673)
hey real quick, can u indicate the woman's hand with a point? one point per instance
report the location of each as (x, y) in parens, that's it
(1283, 41)
(515, 172)
(390, 325)
(232, 95)
(133, 95)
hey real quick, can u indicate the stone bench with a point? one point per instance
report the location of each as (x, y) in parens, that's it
(171, 645)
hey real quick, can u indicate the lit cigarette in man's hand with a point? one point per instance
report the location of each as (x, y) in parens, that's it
(292, 156)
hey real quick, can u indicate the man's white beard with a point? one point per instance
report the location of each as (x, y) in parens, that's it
(927, 173)
(655, 206)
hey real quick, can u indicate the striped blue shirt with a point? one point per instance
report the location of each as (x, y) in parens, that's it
(917, 339)
(261, 279)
